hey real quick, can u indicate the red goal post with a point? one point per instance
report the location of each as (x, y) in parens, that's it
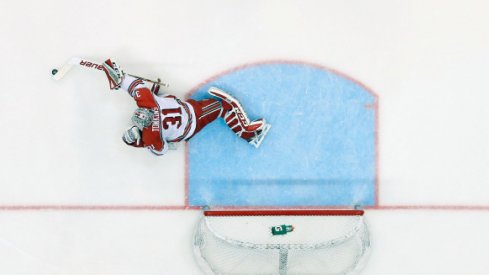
(285, 241)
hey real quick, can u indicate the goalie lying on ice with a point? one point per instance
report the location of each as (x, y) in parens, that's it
(161, 120)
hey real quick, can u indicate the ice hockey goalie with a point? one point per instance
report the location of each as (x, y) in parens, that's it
(161, 120)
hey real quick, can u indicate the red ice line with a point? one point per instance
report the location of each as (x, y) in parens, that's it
(187, 206)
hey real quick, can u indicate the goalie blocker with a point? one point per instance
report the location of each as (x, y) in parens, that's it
(163, 120)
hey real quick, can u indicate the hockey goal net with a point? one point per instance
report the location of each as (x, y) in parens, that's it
(281, 242)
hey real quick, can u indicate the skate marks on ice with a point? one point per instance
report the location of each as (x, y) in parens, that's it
(321, 150)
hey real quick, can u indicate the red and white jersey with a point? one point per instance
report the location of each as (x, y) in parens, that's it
(174, 119)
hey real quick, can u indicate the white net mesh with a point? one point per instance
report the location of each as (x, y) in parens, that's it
(319, 244)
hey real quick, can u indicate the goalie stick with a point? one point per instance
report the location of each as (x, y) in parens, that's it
(59, 73)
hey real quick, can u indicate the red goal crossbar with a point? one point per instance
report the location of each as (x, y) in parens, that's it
(289, 212)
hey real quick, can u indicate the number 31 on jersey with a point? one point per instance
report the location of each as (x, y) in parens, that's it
(173, 117)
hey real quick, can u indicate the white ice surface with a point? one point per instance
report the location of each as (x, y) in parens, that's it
(60, 141)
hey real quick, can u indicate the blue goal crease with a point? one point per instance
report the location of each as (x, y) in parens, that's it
(320, 150)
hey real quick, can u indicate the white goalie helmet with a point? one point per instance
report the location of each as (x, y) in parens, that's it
(142, 117)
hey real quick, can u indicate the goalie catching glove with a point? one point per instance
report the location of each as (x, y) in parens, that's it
(114, 73)
(132, 136)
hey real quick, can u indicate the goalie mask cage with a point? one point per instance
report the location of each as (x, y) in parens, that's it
(321, 242)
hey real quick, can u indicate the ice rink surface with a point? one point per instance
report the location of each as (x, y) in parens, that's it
(74, 199)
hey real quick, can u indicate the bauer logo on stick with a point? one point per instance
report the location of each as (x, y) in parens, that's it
(90, 65)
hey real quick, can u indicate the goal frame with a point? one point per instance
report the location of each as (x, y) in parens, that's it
(283, 253)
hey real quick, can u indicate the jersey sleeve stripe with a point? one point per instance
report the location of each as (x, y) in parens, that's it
(133, 86)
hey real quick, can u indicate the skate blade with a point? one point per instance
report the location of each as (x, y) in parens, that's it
(259, 139)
